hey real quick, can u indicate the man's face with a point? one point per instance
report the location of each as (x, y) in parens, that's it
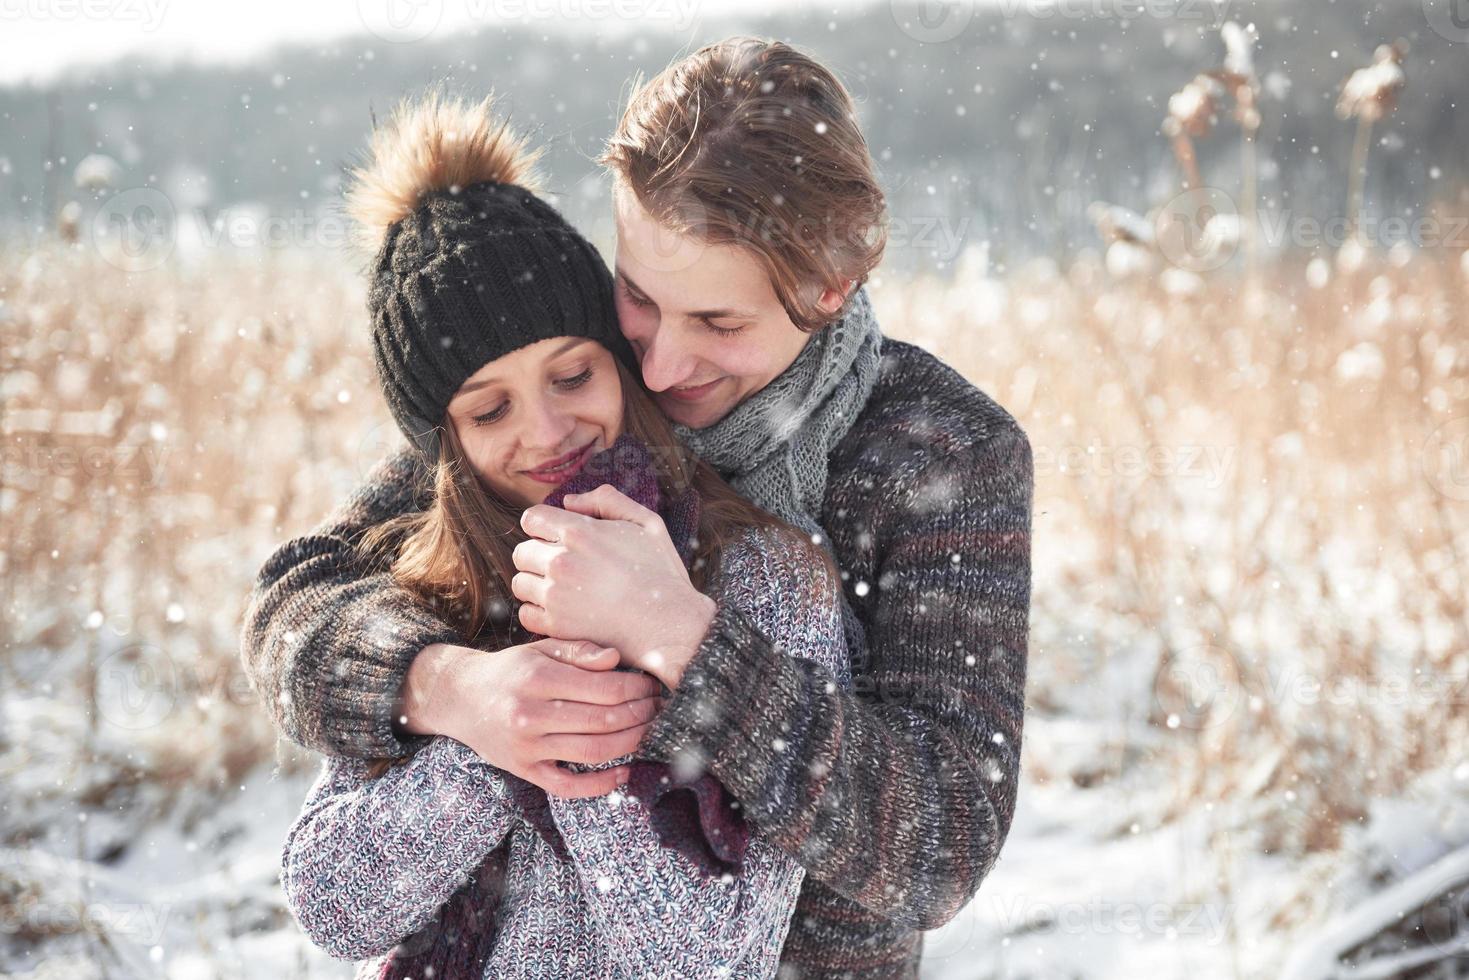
(703, 319)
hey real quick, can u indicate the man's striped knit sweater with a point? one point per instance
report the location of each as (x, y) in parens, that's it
(895, 795)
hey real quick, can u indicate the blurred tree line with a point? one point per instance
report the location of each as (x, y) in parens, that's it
(1002, 135)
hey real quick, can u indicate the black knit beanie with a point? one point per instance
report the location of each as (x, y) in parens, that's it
(468, 276)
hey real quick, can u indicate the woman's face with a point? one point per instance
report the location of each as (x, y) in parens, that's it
(704, 319)
(556, 401)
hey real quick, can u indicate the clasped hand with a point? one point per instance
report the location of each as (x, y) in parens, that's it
(604, 569)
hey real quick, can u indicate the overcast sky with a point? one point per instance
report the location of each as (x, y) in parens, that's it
(39, 38)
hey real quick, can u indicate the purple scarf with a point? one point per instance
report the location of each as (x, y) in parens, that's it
(696, 817)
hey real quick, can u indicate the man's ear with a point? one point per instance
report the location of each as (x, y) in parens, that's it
(831, 300)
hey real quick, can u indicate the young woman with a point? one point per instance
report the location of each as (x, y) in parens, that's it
(748, 216)
(497, 345)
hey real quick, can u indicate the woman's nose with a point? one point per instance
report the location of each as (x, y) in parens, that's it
(548, 425)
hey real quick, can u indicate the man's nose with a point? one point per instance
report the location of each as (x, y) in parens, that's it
(664, 363)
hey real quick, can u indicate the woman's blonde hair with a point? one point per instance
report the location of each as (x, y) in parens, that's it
(456, 554)
(750, 142)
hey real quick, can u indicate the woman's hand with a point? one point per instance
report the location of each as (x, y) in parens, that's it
(524, 708)
(604, 569)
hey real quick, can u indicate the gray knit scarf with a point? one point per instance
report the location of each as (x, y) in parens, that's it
(774, 446)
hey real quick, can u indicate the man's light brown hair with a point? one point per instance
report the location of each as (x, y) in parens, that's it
(752, 143)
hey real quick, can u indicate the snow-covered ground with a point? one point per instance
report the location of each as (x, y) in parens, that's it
(1088, 885)
(1080, 893)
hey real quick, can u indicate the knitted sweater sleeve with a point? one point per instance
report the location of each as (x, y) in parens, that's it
(659, 915)
(369, 861)
(899, 793)
(326, 642)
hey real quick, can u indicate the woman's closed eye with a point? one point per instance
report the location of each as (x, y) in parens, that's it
(491, 415)
(565, 384)
(576, 381)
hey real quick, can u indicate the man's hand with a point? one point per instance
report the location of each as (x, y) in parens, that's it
(604, 569)
(527, 707)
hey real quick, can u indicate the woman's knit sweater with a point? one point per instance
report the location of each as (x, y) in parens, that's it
(896, 795)
(370, 861)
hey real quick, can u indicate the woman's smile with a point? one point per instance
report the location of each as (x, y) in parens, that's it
(562, 467)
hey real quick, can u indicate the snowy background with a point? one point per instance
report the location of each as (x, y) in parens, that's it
(1249, 664)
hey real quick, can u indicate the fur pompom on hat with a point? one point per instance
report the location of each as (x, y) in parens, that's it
(468, 264)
